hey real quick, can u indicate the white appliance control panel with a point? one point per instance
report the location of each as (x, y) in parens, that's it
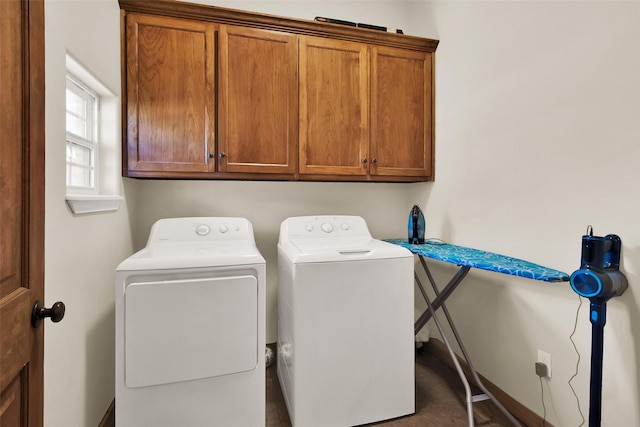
(323, 227)
(200, 229)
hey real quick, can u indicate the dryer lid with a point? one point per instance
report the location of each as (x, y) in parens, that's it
(196, 242)
(193, 255)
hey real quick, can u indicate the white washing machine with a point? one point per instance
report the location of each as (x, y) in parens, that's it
(345, 323)
(190, 321)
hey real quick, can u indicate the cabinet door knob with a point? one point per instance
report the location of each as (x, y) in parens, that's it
(210, 155)
(223, 155)
(364, 160)
(374, 160)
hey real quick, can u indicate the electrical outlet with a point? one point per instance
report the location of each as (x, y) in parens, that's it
(541, 369)
(545, 358)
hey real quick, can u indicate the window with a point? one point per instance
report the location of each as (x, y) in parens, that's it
(93, 127)
(82, 137)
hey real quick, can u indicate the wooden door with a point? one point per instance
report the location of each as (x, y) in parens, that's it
(170, 96)
(401, 113)
(334, 107)
(258, 101)
(21, 210)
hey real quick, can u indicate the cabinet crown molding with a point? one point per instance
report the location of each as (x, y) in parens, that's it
(200, 12)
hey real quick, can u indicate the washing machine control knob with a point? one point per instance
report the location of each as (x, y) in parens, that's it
(344, 226)
(202, 230)
(327, 227)
(309, 228)
(223, 229)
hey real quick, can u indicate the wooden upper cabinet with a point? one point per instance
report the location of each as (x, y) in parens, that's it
(218, 93)
(258, 101)
(170, 91)
(334, 108)
(401, 113)
(365, 110)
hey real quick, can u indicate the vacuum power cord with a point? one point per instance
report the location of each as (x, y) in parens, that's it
(575, 326)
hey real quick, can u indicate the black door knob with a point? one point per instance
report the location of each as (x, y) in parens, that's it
(39, 312)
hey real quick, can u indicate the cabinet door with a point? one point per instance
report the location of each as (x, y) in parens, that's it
(170, 96)
(401, 113)
(334, 108)
(258, 102)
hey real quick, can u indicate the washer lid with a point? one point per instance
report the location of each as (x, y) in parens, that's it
(302, 251)
(193, 255)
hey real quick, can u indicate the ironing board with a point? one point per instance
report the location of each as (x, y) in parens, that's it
(466, 258)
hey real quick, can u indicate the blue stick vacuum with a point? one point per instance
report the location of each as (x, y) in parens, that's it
(599, 279)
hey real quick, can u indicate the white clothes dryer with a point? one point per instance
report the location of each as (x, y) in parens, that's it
(345, 323)
(190, 321)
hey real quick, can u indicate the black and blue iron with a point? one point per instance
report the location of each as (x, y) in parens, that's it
(599, 279)
(417, 226)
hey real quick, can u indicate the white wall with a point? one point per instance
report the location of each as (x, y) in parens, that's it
(389, 13)
(81, 252)
(537, 130)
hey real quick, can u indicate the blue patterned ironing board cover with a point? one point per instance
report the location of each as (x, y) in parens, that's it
(490, 261)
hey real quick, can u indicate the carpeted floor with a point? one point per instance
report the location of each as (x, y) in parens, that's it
(439, 400)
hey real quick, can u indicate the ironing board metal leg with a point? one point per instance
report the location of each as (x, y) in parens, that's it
(467, 388)
(440, 298)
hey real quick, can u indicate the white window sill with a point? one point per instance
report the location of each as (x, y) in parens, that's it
(89, 203)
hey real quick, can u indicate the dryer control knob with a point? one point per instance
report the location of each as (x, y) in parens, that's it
(223, 229)
(344, 226)
(327, 227)
(202, 230)
(309, 228)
